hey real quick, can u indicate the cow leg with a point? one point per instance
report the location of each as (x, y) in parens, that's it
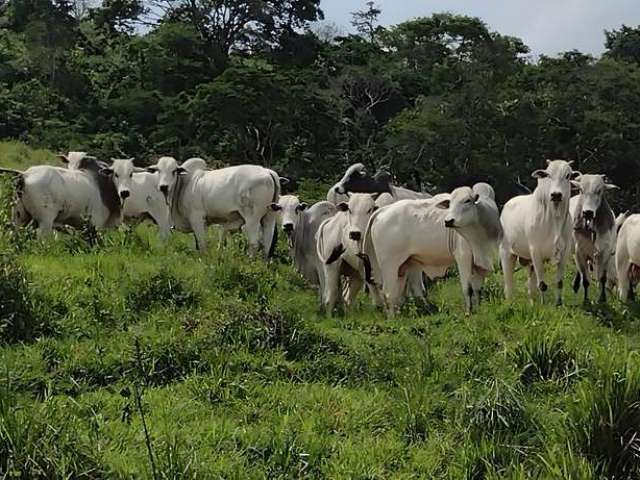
(331, 287)
(253, 230)
(196, 220)
(532, 284)
(538, 267)
(582, 268)
(508, 263)
(163, 220)
(559, 282)
(269, 234)
(355, 285)
(416, 286)
(393, 286)
(465, 267)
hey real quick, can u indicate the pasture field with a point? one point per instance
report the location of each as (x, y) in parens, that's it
(124, 358)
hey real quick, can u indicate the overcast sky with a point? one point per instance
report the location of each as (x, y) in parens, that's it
(546, 26)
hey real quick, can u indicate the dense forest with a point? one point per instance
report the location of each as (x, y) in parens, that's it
(439, 101)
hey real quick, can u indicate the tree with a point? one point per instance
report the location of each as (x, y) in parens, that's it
(623, 44)
(366, 22)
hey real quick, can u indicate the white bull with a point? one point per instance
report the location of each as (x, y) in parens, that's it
(537, 229)
(59, 196)
(594, 233)
(235, 196)
(431, 235)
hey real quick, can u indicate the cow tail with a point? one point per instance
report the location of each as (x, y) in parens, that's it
(12, 171)
(276, 195)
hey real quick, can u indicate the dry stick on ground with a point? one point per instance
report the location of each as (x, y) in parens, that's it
(138, 396)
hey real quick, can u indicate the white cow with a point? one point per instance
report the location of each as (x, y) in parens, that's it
(300, 224)
(339, 247)
(73, 159)
(240, 195)
(431, 235)
(594, 232)
(628, 256)
(537, 228)
(59, 196)
(139, 192)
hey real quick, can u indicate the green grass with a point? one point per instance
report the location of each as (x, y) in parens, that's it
(239, 377)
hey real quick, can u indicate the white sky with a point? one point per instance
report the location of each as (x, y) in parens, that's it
(546, 26)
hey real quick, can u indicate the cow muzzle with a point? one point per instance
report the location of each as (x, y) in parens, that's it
(588, 214)
(357, 236)
(449, 223)
(556, 197)
(124, 194)
(287, 227)
(164, 189)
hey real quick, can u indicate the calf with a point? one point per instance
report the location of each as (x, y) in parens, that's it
(594, 232)
(537, 228)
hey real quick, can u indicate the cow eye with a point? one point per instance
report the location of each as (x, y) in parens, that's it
(568, 176)
(115, 175)
(468, 200)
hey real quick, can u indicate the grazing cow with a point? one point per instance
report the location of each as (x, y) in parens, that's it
(431, 235)
(59, 196)
(628, 257)
(300, 224)
(537, 228)
(138, 190)
(594, 232)
(240, 195)
(356, 180)
(339, 247)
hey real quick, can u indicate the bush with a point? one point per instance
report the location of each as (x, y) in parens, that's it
(541, 357)
(606, 419)
(161, 289)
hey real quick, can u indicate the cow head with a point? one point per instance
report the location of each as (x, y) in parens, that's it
(168, 170)
(620, 219)
(121, 170)
(462, 206)
(73, 159)
(554, 182)
(289, 208)
(592, 191)
(356, 180)
(358, 210)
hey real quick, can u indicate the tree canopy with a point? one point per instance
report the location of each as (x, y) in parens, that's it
(439, 101)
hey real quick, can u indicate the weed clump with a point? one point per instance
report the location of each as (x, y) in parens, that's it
(161, 289)
(545, 358)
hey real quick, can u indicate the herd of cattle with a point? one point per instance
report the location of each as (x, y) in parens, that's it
(369, 231)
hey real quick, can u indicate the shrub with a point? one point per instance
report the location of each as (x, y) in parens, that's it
(606, 419)
(161, 289)
(541, 357)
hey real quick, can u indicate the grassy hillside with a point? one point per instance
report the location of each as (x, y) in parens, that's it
(225, 364)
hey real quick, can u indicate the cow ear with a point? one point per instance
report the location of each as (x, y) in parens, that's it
(575, 175)
(152, 169)
(284, 180)
(302, 207)
(375, 195)
(476, 198)
(540, 174)
(62, 157)
(139, 170)
(181, 171)
(107, 172)
(275, 207)
(611, 186)
(443, 204)
(576, 185)
(342, 206)
(375, 207)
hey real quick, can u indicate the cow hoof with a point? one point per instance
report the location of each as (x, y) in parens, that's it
(543, 287)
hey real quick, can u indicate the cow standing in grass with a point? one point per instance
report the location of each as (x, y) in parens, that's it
(537, 229)
(59, 196)
(231, 196)
(300, 224)
(594, 233)
(628, 257)
(430, 236)
(138, 190)
(339, 246)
